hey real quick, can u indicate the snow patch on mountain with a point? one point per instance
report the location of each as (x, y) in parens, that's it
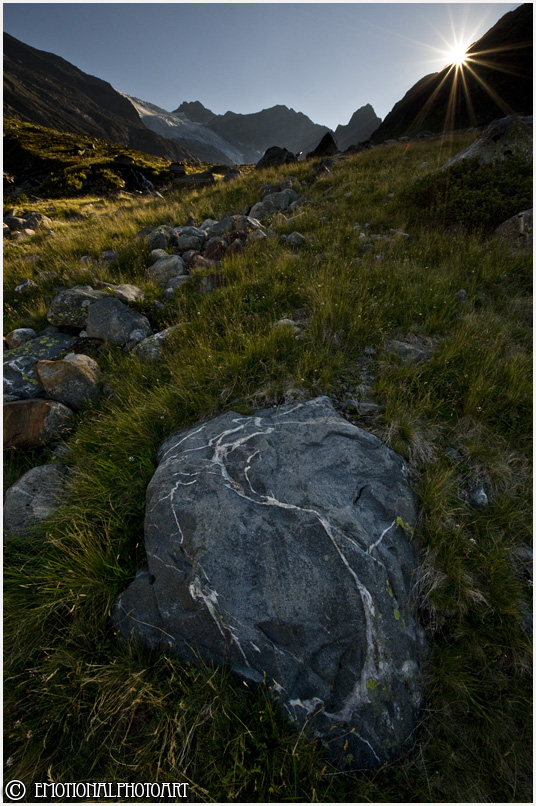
(187, 132)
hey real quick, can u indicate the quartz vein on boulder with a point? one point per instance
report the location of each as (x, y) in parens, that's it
(272, 547)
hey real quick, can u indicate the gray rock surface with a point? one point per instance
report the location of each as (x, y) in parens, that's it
(19, 363)
(112, 320)
(73, 380)
(272, 203)
(510, 135)
(165, 268)
(19, 336)
(69, 308)
(127, 293)
(518, 230)
(33, 498)
(31, 423)
(273, 547)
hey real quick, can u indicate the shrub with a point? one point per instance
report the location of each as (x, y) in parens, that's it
(477, 196)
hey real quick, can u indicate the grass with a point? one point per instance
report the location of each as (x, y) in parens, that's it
(81, 705)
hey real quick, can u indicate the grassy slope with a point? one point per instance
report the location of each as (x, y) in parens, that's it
(82, 706)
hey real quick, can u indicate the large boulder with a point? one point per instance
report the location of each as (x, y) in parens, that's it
(20, 379)
(276, 156)
(517, 231)
(274, 545)
(327, 147)
(32, 423)
(33, 498)
(109, 319)
(500, 140)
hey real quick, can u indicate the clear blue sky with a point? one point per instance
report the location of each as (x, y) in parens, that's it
(323, 59)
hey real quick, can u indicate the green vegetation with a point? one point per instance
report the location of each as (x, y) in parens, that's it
(82, 706)
(476, 196)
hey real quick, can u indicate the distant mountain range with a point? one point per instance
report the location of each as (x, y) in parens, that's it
(42, 88)
(496, 83)
(45, 89)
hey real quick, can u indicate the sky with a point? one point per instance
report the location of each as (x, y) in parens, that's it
(323, 59)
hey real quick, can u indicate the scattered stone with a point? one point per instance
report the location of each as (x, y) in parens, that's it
(232, 173)
(109, 319)
(478, 498)
(32, 499)
(288, 323)
(69, 308)
(19, 363)
(273, 546)
(156, 254)
(15, 223)
(20, 336)
(151, 349)
(127, 293)
(409, 352)
(35, 220)
(109, 255)
(26, 285)
(273, 203)
(73, 380)
(185, 238)
(177, 169)
(165, 268)
(296, 239)
(215, 248)
(461, 295)
(32, 423)
(453, 454)
(199, 180)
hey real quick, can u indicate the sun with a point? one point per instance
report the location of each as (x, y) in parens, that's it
(457, 55)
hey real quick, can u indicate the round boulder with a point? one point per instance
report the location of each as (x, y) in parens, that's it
(277, 545)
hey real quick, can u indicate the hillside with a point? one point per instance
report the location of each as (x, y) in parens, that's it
(44, 89)
(497, 82)
(416, 323)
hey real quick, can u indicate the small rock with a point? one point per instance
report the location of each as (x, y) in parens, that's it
(165, 268)
(32, 499)
(26, 285)
(73, 380)
(478, 498)
(32, 423)
(109, 255)
(127, 293)
(296, 239)
(461, 295)
(20, 336)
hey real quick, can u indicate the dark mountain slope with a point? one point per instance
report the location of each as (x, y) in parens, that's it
(45, 89)
(254, 133)
(502, 62)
